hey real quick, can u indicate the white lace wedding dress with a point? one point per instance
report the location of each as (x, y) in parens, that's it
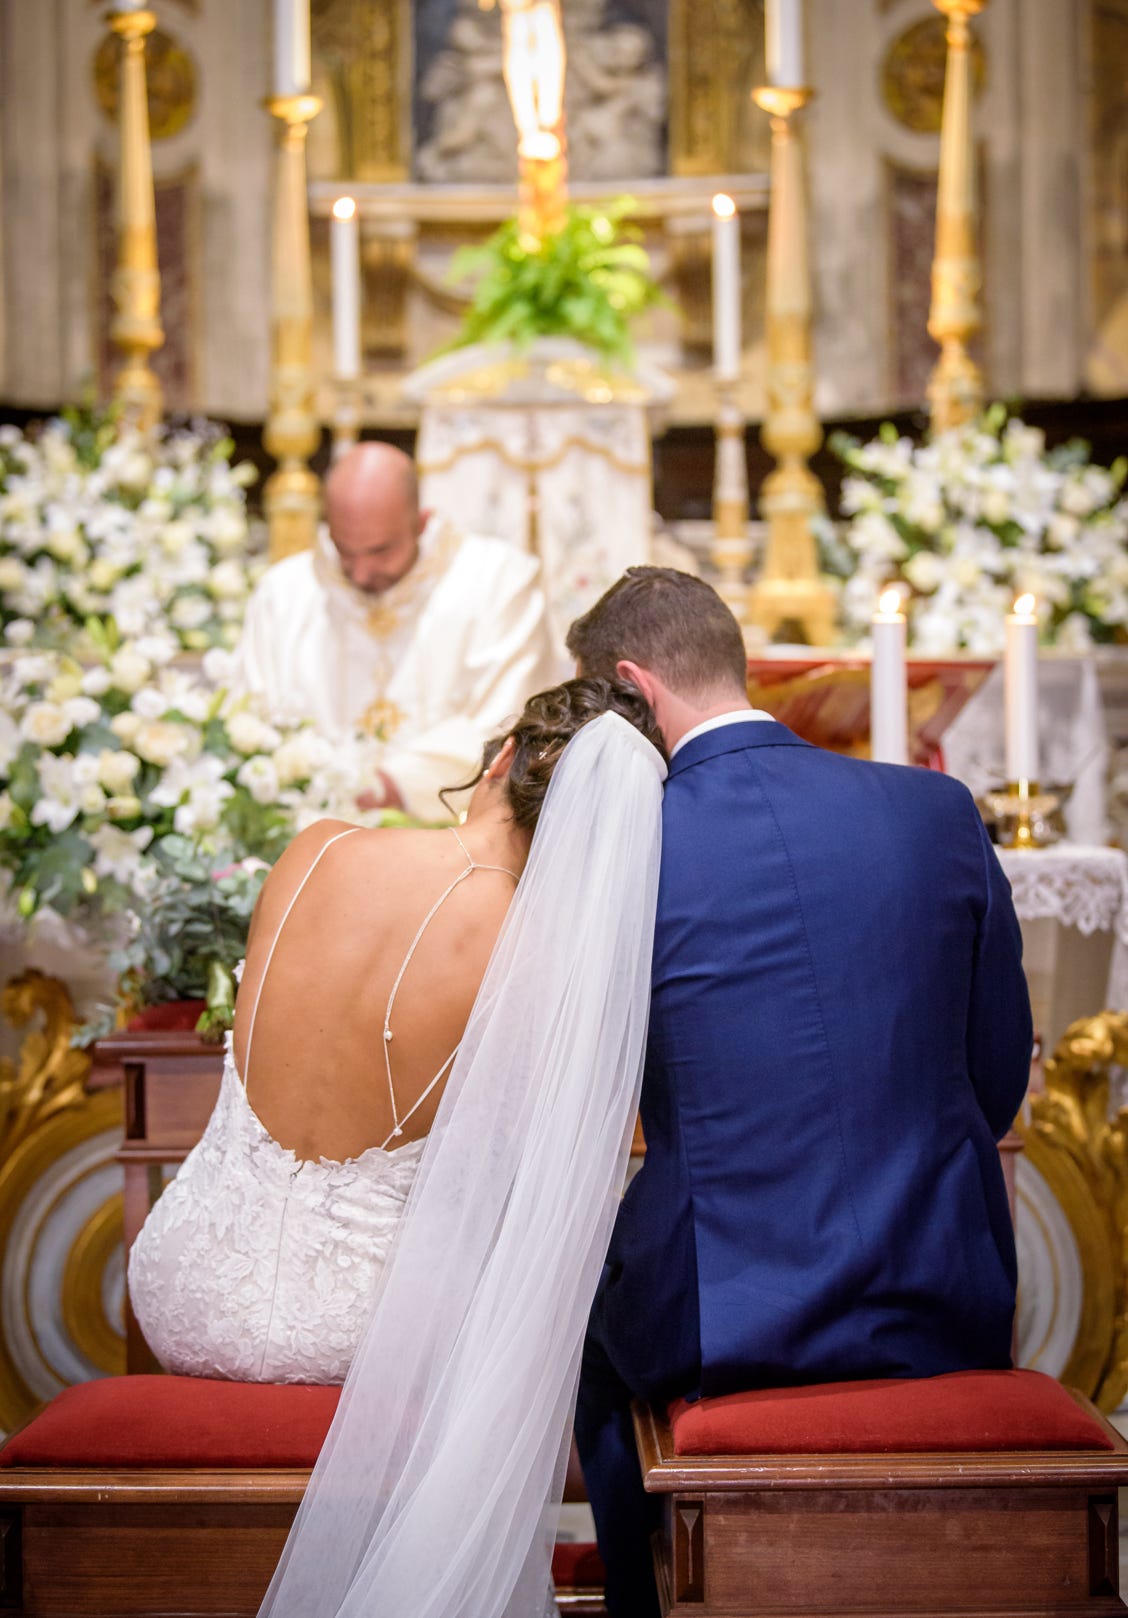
(257, 1266)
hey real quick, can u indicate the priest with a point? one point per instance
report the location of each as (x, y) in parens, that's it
(399, 625)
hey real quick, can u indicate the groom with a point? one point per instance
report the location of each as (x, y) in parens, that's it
(839, 1033)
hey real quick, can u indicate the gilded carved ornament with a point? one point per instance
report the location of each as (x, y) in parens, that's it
(1080, 1147)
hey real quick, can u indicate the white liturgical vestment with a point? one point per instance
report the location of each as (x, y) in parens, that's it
(432, 666)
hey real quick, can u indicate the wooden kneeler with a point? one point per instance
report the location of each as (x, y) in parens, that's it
(979, 1494)
(140, 1496)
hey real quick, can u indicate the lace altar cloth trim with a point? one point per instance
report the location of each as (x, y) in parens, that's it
(1077, 885)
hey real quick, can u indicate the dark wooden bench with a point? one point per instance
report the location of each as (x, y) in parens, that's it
(982, 1494)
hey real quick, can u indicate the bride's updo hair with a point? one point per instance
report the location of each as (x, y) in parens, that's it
(547, 724)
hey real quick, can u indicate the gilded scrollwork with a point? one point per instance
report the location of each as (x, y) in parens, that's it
(50, 1075)
(1077, 1138)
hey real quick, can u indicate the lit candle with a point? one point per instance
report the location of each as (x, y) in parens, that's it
(344, 242)
(784, 42)
(889, 702)
(726, 289)
(291, 47)
(1021, 678)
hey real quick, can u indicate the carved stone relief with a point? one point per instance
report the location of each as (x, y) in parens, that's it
(615, 95)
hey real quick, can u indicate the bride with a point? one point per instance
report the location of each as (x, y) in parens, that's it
(462, 1076)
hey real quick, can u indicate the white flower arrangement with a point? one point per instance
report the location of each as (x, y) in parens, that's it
(972, 518)
(106, 770)
(101, 522)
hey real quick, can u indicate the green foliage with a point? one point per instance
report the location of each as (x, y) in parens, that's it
(588, 281)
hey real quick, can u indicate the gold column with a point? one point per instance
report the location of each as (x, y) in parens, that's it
(955, 389)
(789, 600)
(293, 431)
(730, 550)
(136, 283)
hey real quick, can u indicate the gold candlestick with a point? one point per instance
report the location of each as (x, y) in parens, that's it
(291, 497)
(955, 389)
(730, 550)
(789, 599)
(136, 283)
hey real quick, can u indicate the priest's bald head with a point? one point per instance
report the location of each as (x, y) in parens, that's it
(372, 509)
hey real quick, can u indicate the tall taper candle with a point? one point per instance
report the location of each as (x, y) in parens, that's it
(726, 289)
(889, 700)
(291, 47)
(1021, 679)
(346, 290)
(784, 42)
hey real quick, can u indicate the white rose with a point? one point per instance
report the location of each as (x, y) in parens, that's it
(125, 727)
(227, 529)
(996, 506)
(67, 545)
(228, 581)
(298, 758)
(102, 575)
(82, 710)
(92, 799)
(129, 669)
(13, 573)
(19, 632)
(189, 612)
(46, 723)
(924, 571)
(175, 535)
(159, 743)
(158, 648)
(150, 704)
(218, 666)
(249, 734)
(116, 771)
(1077, 499)
(260, 778)
(1061, 531)
(96, 682)
(135, 470)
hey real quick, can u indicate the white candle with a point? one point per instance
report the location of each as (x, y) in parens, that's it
(291, 47)
(784, 42)
(889, 701)
(345, 251)
(1021, 678)
(726, 289)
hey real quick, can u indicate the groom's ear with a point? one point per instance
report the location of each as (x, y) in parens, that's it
(642, 679)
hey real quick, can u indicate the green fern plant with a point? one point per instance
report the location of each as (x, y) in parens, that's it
(588, 280)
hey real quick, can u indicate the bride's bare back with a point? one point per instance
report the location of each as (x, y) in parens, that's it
(317, 1076)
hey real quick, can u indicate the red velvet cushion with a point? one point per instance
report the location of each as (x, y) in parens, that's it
(170, 1017)
(176, 1421)
(577, 1567)
(966, 1410)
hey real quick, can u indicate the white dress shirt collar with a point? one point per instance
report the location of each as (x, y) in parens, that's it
(739, 716)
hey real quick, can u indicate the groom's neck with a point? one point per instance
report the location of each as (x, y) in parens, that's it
(678, 715)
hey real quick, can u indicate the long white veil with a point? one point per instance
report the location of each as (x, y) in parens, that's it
(435, 1493)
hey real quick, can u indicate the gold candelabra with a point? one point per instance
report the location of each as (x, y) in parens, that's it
(789, 600)
(955, 389)
(293, 432)
(730, 550)
(136, 284)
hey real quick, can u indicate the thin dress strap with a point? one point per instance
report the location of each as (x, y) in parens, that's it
(328, 844)
(471, 866)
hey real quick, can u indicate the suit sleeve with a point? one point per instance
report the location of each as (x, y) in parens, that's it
(1000, 1033)
(508, 657)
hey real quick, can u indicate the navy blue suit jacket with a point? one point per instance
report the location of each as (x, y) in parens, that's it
(839, 1032)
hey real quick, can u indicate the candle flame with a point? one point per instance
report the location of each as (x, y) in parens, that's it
(1024, 607)
(723, 206)
(889, 601)
(344, 208)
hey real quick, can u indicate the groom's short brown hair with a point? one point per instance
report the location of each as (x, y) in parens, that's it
(671, 623)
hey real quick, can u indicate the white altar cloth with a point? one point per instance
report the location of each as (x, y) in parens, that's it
(1072, 901)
